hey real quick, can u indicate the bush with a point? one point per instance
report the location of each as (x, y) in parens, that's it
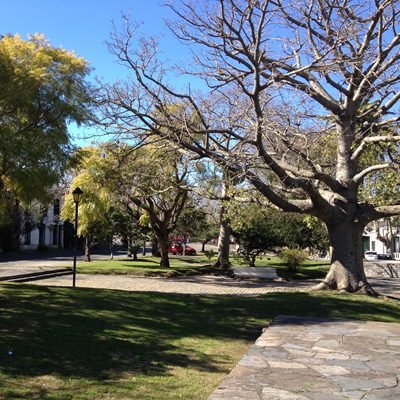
(209, 254)
(293, 258)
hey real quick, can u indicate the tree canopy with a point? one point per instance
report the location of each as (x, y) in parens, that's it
(42, 89)
(288, 82)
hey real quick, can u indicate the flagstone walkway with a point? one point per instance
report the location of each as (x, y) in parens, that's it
(300, 358)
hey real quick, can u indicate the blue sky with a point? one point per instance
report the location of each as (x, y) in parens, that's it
(84, 26)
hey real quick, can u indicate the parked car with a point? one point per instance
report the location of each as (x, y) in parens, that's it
(371, 255)
(385, 257)
(177, 248)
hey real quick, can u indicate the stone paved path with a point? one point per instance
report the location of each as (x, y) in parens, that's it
(318, 359)
(204, 284)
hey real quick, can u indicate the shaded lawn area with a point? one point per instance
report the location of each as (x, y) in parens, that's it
(61, 343)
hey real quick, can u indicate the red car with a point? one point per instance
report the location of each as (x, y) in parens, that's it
(177, 248)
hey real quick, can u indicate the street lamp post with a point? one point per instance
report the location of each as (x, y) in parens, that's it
(77, 195)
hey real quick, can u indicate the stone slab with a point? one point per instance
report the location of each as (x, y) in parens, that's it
(255, 273)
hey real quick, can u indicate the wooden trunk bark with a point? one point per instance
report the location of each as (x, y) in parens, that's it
(111, 246)
(88, 243)
(16, 223)
(347, 271)
(223, 242)
(163, 246)
(129, 241)
(155, 251)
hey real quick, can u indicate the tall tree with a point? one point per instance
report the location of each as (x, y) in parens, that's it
(94, 207)
(283, 76)
(42, 89)
(159, 187)
(104, 212)
(150, 179)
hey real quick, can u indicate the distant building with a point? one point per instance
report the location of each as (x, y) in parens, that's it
(48, 231)
(372, 243)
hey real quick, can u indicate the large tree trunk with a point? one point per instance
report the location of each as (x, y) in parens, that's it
(16, 226)
(203, 245)
(163, 245)
(129, 241)
(111, 246)
(224, 234)
(223, 242)
(88, 242)
(347, 271)
(155, 251)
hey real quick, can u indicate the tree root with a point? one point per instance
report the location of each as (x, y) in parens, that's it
(364, 289)
(368, 290)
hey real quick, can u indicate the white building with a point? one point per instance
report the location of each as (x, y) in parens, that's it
(50, 232)
(371, 241)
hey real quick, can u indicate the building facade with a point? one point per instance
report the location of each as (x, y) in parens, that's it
(50, 231)
(372, 243)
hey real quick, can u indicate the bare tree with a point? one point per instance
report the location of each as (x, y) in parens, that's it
(150, 179)
(386, 235)
(298, 93)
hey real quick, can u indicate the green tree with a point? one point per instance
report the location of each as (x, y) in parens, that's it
(42, 89)
(191, 222)
(259, 229)
(93, 209)
(146, 183)
(159, 187)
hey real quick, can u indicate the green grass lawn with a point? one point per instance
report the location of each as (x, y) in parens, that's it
(188, 265)
(148, 266)
(62, 343)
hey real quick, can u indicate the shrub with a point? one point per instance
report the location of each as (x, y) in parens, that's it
(209, 254)
(293, 258)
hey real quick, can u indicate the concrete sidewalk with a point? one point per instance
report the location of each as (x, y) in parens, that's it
(318, 359)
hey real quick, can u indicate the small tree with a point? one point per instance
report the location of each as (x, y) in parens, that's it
(255, 230)
(259, 229)
(293, 258)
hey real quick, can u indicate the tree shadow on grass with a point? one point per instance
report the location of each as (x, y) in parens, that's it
(80, 334)
(104, 334)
